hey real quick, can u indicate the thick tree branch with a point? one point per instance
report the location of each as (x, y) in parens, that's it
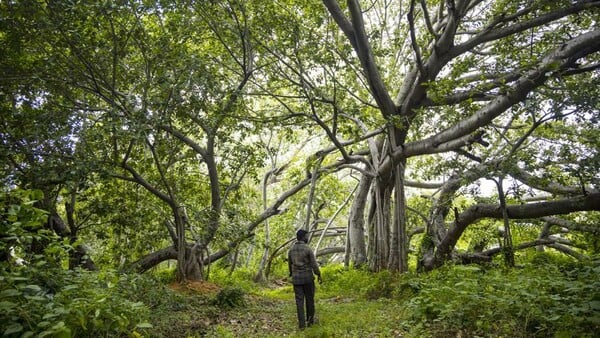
(137, 178)
(524, 211)
(338, 16)
(486, 256)
(329, 251)
(188, 141)
(490, 33)
(571, 225)
(561, 57)
(355, 31)
(551, 187)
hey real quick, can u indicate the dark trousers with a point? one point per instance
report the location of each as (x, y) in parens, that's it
(305, 292)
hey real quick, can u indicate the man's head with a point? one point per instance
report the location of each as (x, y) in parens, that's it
(301, 235)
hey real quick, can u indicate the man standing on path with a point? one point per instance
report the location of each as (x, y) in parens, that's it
(302, 264)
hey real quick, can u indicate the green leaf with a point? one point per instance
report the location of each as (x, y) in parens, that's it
(10, 293)
(14, 328)
(144, 325)
(595, 305)
(43, 324)
(33, 288)
(6, 306)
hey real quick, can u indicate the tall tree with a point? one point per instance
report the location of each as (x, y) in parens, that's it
(159, 91)
(463, 90)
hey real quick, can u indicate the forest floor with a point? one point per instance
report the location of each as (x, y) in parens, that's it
(536, 300)
(270, 312)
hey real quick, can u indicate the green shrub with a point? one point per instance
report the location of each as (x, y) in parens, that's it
(383, 286)
(534, 301)
(241, 278)
(230, 297)
(39, 298)
(338, 280)
(81, 304)
(165, 275)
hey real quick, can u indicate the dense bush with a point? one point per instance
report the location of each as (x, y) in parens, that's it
(63, 303)
(535, 300)
(230, 297)
(549, 297)
(38, 297)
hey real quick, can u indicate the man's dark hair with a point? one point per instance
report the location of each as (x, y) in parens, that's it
(300, 234)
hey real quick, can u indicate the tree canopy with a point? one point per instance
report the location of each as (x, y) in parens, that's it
(393, 131)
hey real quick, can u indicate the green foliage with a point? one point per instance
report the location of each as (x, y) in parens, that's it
(54, 302)
(21, 225)
(347, 317)
(547, 297)
(383, 286)
(165, 275)
(536, 300)
(239, 278)
(230, 297)
(39, 298)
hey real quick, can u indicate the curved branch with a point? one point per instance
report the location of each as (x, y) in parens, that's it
(551, 187)
(138, 179)
(526, 211)
(490, 33)
(413, 37)
(188, 141)
(329, 251)
(571, 225)
(423, 185)
(560, 58)
(249, 231)
(486, 256)
(151, 260)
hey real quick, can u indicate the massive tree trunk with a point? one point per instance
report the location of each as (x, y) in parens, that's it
(398, 259)
(379, 231)
(356, 223)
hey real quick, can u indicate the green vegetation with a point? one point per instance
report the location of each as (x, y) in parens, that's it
(547, 296)
(157, 157)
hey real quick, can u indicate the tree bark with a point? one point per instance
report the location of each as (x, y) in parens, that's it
(398, 260)
(509, 255)
(260, 274)
(379, 247)
(356, 223)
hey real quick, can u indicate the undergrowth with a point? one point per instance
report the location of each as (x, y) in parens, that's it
(547, 297)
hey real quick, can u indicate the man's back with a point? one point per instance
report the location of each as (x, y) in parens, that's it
(302, 263)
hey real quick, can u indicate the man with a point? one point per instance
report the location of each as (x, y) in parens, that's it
(302, 264)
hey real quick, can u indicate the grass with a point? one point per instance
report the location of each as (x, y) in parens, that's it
(536, 300)
(269, 310)
(273, 314)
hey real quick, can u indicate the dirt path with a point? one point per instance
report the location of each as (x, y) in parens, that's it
(262, 317)
(273, 314)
